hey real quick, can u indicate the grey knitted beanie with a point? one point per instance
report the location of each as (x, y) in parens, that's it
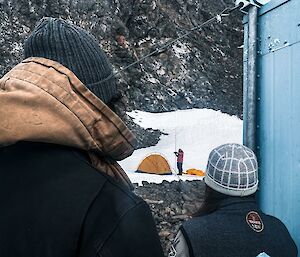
(232, 170)
(77, 50)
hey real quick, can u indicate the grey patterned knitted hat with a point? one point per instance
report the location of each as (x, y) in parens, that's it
(232, 170)
(77, 50)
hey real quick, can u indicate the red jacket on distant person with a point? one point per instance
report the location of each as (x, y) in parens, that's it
(179, 155)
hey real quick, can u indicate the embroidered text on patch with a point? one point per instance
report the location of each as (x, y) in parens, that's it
(254, 221)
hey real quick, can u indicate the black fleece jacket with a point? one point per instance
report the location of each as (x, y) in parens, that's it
(54, 204)
(226, 232)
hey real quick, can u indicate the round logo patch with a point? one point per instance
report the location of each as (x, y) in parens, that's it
(254, 221)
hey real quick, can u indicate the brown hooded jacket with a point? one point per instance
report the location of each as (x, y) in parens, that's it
(45, 102)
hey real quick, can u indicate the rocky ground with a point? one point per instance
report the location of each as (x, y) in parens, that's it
(203, 70)
(171, 204)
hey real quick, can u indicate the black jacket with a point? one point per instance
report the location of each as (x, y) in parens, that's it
(226, 233)
(54, 204)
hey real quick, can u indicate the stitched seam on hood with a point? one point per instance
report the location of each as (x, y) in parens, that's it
(61, 103)
(69, 79)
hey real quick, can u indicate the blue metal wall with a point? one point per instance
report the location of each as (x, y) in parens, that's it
(278, 103)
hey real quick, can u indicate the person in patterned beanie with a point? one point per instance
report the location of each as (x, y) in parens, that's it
(230, 223)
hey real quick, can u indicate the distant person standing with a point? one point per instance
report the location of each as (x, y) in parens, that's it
(179, 155)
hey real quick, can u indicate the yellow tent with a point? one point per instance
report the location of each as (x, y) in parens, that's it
(195, 172)
(155, 164)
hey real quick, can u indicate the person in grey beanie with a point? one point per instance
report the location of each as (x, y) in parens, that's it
(229, 222)
(62, 192)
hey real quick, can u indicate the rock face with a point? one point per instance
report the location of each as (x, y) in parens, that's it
(172, 203)
(203, 70)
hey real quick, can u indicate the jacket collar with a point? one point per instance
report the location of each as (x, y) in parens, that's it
(238, 203)
(43, 101)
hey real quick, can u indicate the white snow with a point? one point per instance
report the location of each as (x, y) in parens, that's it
(195, 131)
(153, 80)
(140, 177)
(180, 49)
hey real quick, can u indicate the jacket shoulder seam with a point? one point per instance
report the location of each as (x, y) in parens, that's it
(116, 226)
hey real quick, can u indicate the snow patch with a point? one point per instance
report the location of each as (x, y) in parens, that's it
(196, 131)
(180, 49)
(153, 80)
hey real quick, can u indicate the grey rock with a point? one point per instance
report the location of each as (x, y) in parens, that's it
(172, 210)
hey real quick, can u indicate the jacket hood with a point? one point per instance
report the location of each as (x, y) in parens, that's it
(43, 101)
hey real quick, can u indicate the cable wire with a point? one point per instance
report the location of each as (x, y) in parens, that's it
(225, 13)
